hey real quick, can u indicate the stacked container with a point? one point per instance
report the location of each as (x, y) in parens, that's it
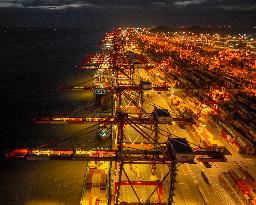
(207, 138)
(243, 183)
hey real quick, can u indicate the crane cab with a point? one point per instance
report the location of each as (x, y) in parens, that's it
(180, 150)
(146, 85)
(162, 116)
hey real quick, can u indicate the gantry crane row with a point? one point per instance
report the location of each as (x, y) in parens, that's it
(123, 119)
(120, 89)
(162, 154)
(128, 156)
(122, 69)
(106, 120)
(97, 65)
(95, 62)
(120, 61)
(72, 120)
(117, 89)
(89, 155)
(133, 156)
(141, 100)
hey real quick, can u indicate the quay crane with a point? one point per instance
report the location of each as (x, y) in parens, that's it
(171, 153)
(125, 87)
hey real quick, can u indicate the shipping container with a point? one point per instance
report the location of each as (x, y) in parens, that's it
(233, 175)
(224, 134)
(246, 185)
(230, 179)
(236, 146)
(229, 138)
(250, 179)
(245, 141)
(252, 194)
(207, 144)
(241, 141)
(239, 175)
(253, 202)
(241, 188)
(246, 199)
(252, 133)
(208, 133)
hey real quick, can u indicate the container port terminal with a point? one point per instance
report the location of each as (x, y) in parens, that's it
(176, 114)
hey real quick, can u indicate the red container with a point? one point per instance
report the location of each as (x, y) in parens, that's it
(247, 185)
(242, 187)
(253, 202)
(237, 144)
(207, 144)
(223, 134)
(244, 191)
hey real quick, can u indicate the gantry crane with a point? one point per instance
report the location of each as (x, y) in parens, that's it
(169, 153)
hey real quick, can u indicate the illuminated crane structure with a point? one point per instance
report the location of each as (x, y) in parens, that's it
(127, 91)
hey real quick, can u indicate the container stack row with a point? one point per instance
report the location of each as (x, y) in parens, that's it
(240, 143)
(240, 113)
(243, 183)
(208, 139)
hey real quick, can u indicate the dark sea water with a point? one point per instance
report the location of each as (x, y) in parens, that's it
(39, 49)
(34, 63)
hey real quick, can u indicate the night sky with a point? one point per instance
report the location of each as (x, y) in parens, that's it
(74, 13)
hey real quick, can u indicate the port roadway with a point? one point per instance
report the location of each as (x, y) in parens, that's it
(191, 189)
(189, 175)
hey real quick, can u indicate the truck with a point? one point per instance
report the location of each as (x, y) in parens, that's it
(205, 176)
